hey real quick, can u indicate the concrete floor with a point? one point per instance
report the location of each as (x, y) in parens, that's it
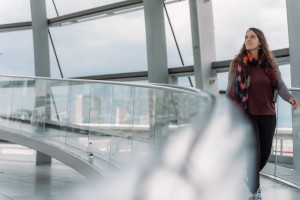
(275, 190)
(21, 179)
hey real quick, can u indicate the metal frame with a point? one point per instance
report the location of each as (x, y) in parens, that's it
(85, 15)
(95, 12)
(282, 55)
(100, 12)
(16, 27)
(188, 70)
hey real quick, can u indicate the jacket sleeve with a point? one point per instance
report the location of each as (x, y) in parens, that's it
(282, 89)
(230, 84)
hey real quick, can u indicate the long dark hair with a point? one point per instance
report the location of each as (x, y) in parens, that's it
(264, 50)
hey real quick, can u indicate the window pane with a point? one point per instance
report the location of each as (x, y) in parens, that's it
(109, 45)
(16, 56)
(14, 11)
(284, 108)
(70, 6)
(233, 18)
(222, 80)
(179, 14)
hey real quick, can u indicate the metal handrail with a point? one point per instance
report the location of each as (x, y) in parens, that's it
(294, 89)
(142, 85)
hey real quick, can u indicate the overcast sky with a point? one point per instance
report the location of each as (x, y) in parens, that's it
(117, 44)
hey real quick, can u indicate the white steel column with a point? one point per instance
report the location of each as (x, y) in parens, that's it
(157, 66)
(40, 38)
(203, 40)
(293, 15)
(41, 51)
(156, 41)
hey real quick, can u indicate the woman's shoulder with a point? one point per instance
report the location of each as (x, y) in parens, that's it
(233, 65)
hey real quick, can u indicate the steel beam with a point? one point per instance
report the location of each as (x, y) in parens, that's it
(203, 39)
(156, 41)
(15, 27)
(95, 12)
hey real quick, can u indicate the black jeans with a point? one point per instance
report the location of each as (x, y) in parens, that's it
(264, 127)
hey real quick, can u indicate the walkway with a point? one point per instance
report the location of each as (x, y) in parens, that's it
(21, 179)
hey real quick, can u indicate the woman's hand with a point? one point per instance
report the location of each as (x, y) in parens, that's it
(294, 102)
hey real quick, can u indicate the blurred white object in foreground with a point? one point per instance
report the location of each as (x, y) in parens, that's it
(204, 161)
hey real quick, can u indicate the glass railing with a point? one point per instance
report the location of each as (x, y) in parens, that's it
(206, 160)
(284, 162)
(122, 120)
(187, 136)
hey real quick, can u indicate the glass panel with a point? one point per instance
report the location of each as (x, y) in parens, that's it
(161, 125)
(70, 6)
(106, 102)
(39, 110)
(100, 119)
(6, 96)
(57, 110)
(174, 114)
(101, 143)
(286, 144)
(222, 80)
(16, 108)
(271, 17)
(104, 45)
(78, 114)
(95, 107)
(284, 110)
(16, 53)
(284, 162)
(142, 151)
(184, 81)
(14, 11)
(122, 110)
(28, 105)
(143, 115)
(189, 108)
(122, 122)
(179, 14)
(120, 153)
(283, 132)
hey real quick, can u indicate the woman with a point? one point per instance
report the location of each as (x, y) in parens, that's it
(254, 82)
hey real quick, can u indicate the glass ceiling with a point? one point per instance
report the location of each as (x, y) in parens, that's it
(109, 45)
(233, 18)
(16, 53)
(14, 11)
(70, 6)
(117, 44)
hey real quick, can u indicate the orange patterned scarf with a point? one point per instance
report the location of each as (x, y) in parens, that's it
(242, 79)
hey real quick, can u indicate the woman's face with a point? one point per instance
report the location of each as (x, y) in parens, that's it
(251, 41)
